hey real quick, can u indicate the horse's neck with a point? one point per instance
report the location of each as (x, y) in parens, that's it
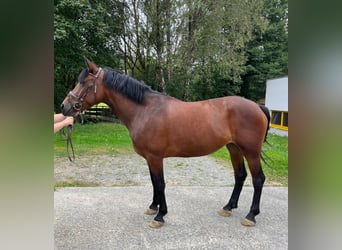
(125, 109)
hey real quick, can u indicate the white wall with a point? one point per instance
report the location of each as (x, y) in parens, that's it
(277, 94)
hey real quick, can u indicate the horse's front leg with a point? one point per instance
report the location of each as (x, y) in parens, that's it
(157, 177)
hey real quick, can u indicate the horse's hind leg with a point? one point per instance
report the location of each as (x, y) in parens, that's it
(240, 175)
(258, 182)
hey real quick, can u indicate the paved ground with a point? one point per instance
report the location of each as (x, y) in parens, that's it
(108, 217)
(279, 132)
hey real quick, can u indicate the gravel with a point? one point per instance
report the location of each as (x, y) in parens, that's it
(132, 170)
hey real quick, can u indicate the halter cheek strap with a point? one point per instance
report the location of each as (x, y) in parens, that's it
(96, 76)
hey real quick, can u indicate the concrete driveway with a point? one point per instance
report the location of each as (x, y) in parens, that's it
(113, 218)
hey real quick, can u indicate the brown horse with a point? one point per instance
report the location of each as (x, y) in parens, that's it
(161, 126)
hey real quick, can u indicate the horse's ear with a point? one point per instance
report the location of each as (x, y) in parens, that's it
(92, 68)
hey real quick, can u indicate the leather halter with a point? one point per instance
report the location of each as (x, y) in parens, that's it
(78, 105)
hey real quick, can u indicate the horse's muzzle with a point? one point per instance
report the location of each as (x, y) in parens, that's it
(68, 110)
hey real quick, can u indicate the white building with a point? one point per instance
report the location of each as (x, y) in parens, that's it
(277, 102)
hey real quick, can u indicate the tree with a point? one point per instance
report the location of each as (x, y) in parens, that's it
(212, 53)
(268, 52)
(189, 47)
(147, 40)
(83, 28)
(192, 50)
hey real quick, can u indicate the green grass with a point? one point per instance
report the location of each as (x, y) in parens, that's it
(109, 138)
(276, 151)
(276, 156)
(72, 183)
(95, 138)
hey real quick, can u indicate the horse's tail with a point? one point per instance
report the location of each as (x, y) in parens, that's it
(268, 116)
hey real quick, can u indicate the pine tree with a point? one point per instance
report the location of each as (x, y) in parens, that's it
(268, 52)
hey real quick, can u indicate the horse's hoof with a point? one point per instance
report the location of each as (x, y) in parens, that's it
(224, 213)
(248, 223)
(156, 224)
(150, 211)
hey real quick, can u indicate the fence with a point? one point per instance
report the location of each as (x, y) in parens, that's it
(99, 113)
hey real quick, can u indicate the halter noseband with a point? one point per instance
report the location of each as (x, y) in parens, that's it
(78, 105)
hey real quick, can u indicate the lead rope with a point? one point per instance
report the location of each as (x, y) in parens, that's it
(69, 142)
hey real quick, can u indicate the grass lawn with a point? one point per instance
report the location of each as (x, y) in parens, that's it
(275, 153)
(96, 138)
(109, 138)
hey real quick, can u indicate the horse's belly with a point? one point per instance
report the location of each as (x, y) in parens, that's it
(192, 148)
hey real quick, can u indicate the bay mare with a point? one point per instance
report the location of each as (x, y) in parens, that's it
(162, 126)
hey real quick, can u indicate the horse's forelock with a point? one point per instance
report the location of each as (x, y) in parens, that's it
(83, 75)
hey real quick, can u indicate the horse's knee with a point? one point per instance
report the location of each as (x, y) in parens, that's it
(241, 176)
(259, 180)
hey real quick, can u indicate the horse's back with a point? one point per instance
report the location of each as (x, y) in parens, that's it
(208, 125)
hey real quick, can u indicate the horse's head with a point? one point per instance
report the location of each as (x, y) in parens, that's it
(86, 93)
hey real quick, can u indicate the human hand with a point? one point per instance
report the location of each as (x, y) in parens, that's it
(69, 120)
(61, 121)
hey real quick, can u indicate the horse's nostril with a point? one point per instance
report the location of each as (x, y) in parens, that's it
(62, 106)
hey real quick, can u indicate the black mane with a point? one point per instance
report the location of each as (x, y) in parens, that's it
(126, 85)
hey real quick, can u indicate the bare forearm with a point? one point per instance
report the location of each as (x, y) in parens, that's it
(58, 126)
